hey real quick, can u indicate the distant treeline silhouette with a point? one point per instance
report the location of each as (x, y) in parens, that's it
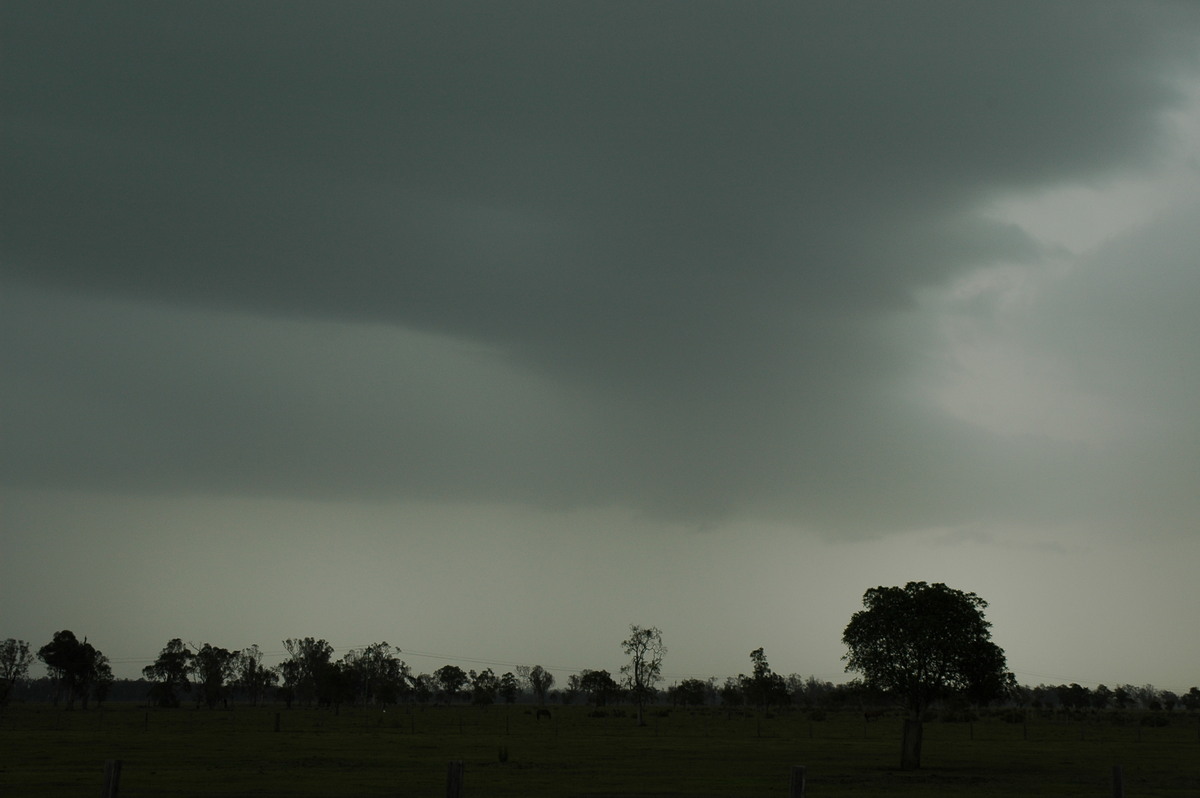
(78, 674)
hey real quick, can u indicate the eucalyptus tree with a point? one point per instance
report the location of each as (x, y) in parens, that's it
(764, 687)
(251, 677)
(450, 680)
(484, 686)
(645, 650)
(510, 688)
(690, 692)
(539, 679)
(215, 669)
(73, 665)
(598, 686)
(15, 659)
(376, 674)
(308, 671)
(169, 674)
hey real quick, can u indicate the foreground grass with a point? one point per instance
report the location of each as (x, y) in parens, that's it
(404, 752)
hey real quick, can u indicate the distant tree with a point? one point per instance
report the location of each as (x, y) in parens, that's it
(376, 674)
(1074, 696)
(1191, 700)
(72, 665)
(311, 671)
(763, 687)
(169, 674)
(598, 686)
(690, 693)
(451, 679)
(102, 679)
(510, 688)
(923, 642)
(731, 693)
(645, 650)
(15, 659)
(1101, 697)
(810, 692)
(573, 689)
(425, 687)
(289, 679)
(540, 681)
(215, 669)
(251, 677)
(484, 686)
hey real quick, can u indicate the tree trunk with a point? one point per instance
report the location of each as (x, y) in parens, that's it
(910, 751)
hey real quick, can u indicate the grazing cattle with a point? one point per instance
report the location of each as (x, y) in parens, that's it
(873, 714)
(543, 713)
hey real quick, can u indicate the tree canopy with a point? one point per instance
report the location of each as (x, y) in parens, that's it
(75, 666)
(922, 642)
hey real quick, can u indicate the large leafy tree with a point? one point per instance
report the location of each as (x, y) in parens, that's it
(645, 650)
(920, 643)
(169, 672)
(510, 688)
(450, 680)
(215, 669)
(598, 686)
(539, 679)
(376, 674)
(74, 665)
(764, 687)
(691, 692)
(251, 676)
(308, 672)
(15, 658)
(484, 686)
(102, 678)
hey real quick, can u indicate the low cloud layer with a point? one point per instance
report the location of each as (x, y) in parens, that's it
(696, 260)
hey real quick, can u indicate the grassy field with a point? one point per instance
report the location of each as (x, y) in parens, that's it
(405, 751)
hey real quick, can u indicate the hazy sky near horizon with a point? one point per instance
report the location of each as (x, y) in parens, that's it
(488, 329)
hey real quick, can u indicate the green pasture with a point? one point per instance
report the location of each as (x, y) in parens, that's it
(404, 751)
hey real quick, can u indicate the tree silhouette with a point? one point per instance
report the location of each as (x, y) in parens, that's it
(251, 677)
(451, 679)
(15, 659)
(376, 675)
(170, 674)
(215, 669)
(540, 681)
(509, 687)
(73, 665)
(923, 642)
(645, 648)
(599, 686)
(764, 687)
(308, 673)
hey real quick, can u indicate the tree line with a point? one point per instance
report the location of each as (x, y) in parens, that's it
(912, 646)
(211, 676)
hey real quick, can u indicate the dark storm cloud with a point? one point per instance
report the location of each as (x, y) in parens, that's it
(692, 226)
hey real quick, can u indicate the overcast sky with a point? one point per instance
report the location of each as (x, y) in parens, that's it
(488, 329)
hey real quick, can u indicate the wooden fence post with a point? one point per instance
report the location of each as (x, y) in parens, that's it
(1118, 782)
(276, 721)
(799, 775)
(454, 779)
(112, 778)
